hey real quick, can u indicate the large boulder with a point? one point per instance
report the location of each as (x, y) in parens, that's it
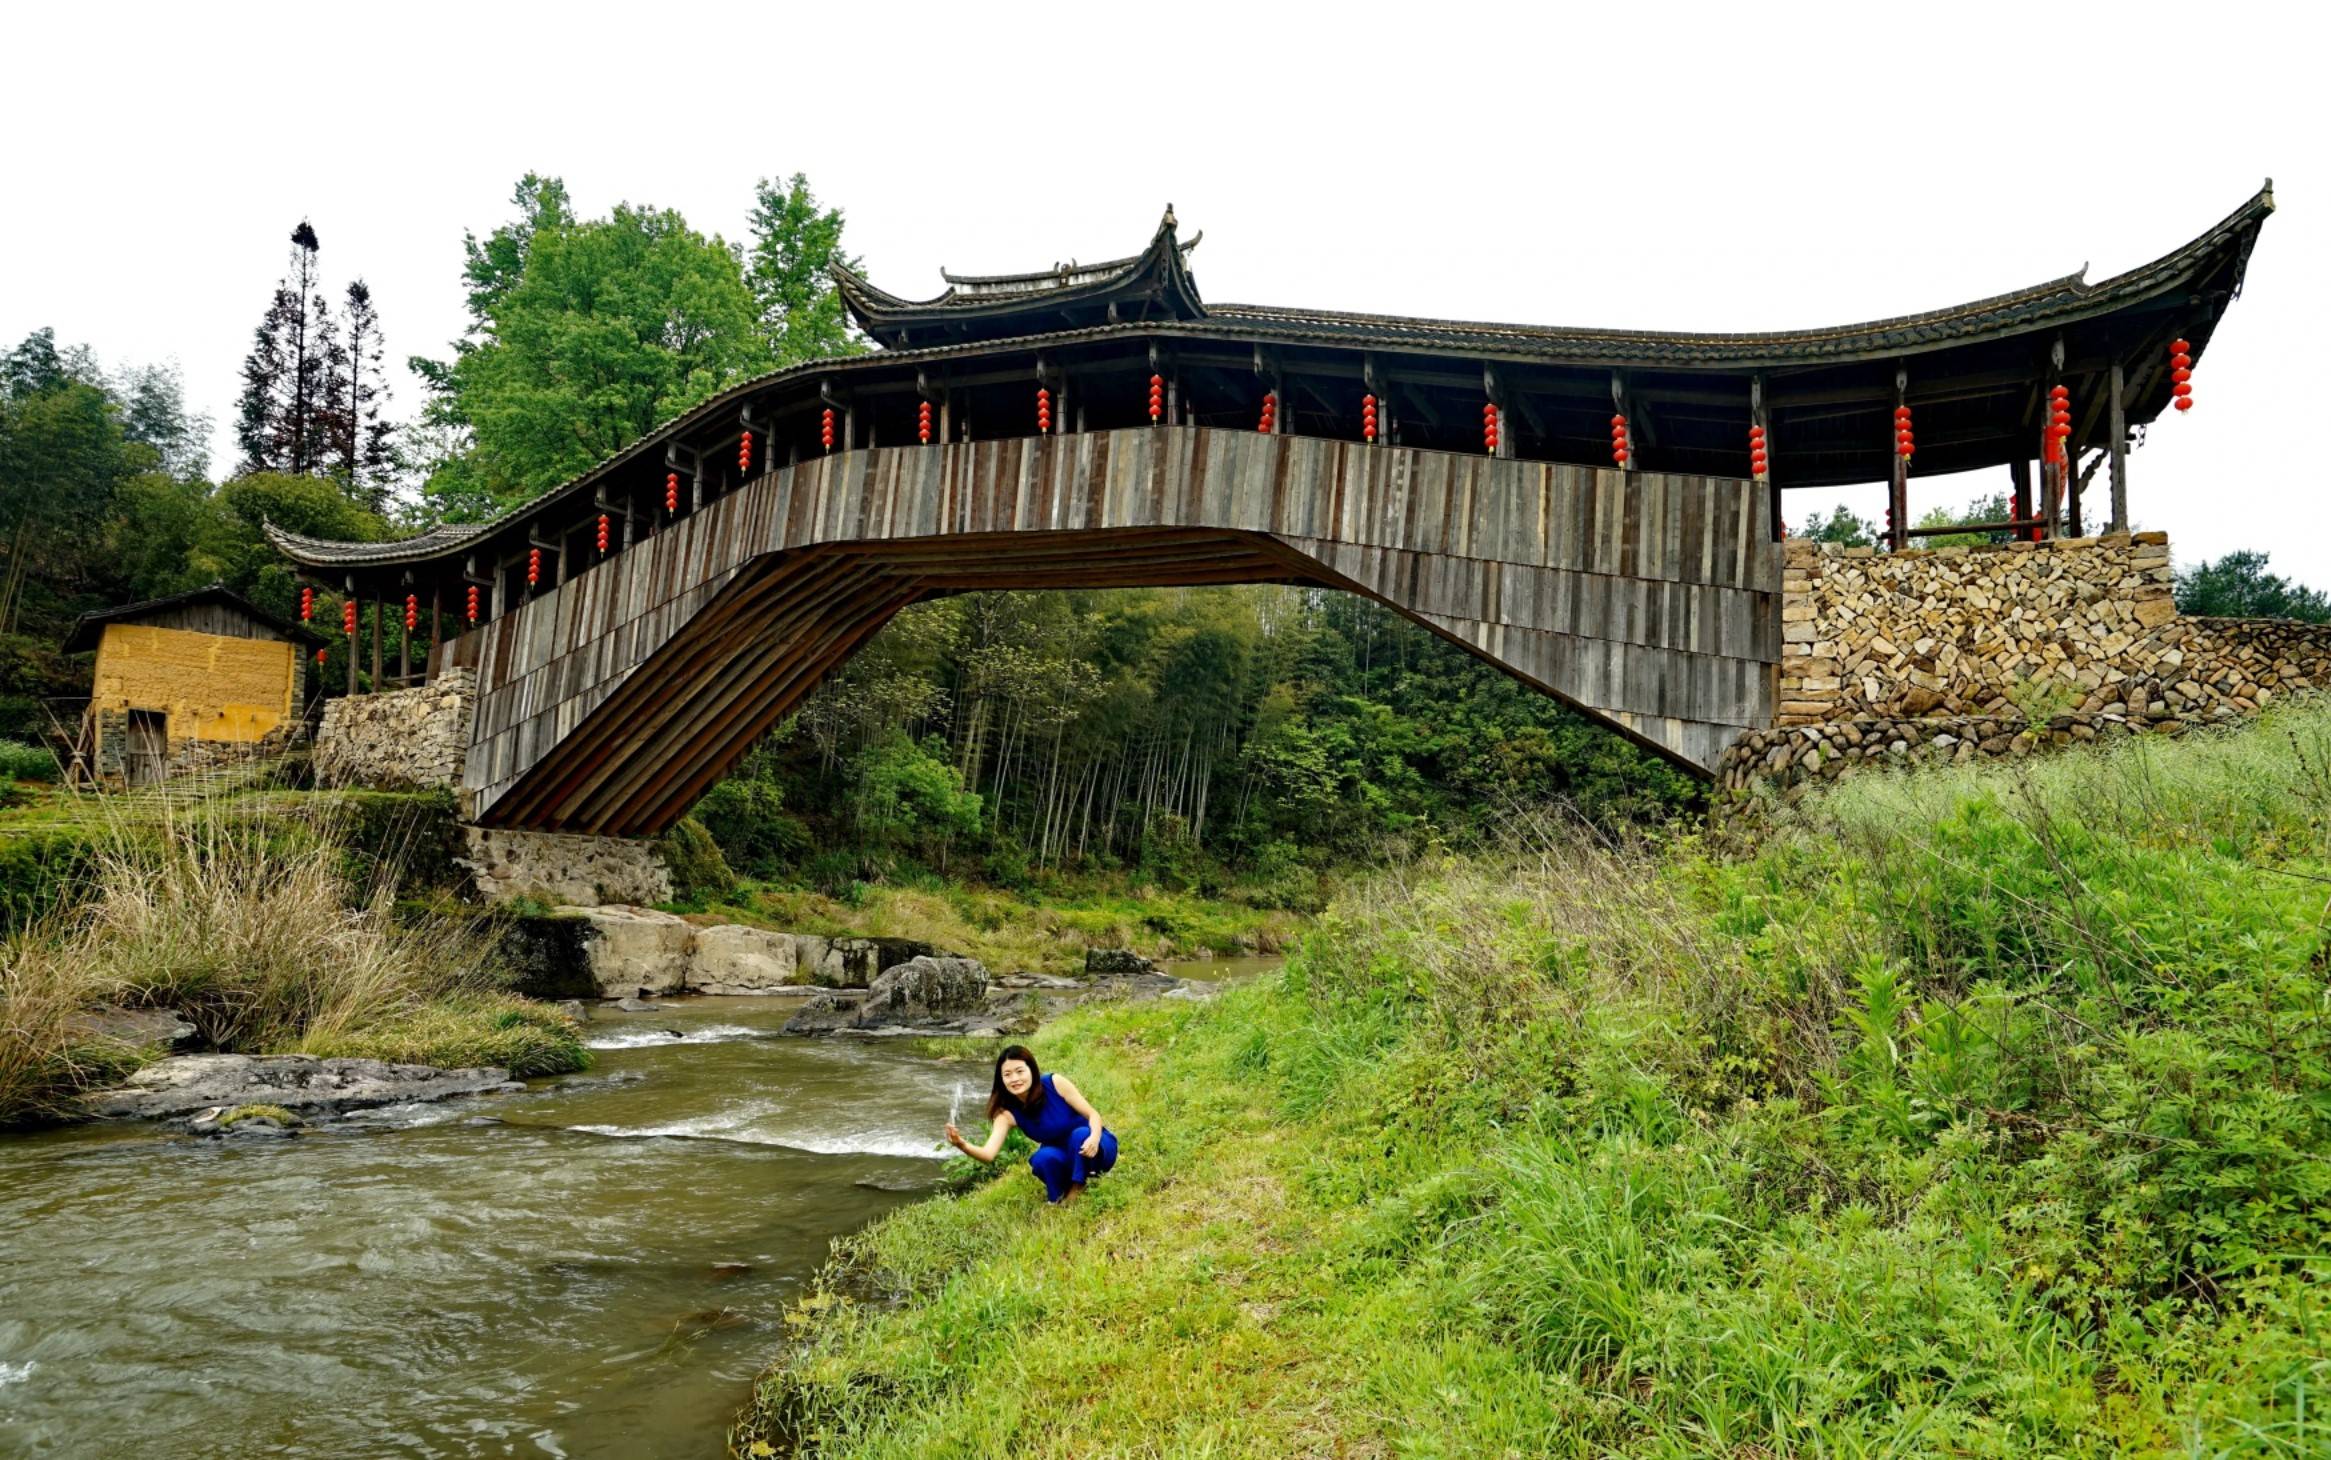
(937, 992)
(631, 951)
(853, 963)
(730, 959)
(300, 1083)
(1116, 960)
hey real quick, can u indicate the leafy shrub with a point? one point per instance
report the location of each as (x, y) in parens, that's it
(22, 762)
(747, 818)
(700, 875)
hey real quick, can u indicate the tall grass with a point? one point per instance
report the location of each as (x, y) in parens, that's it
(266, 934)
(1970, 1113)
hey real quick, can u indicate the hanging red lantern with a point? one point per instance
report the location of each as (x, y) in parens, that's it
(1905, 446)
(2181, 374)
(1619, 449)
(1368, 419)
(319, 658)
(1270, 421)
(533, 566)
(1156, 399)
(1489, 428)
(2059, 430)
(412, 612)
(602, 534)
(671, 491)
(744, 453)
(307, 604)
(1043, 411)
(1756, 456)
(923, 422)
(348, 618)
(473, 603)
(825, 429)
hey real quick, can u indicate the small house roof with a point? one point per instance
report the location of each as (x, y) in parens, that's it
(90, 627)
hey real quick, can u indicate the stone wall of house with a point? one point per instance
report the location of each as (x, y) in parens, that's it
(2029, 630)
(564, 868)
(406, 739)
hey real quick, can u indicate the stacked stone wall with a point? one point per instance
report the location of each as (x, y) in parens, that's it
(1954, 654)
(559, 868)
(407, 739)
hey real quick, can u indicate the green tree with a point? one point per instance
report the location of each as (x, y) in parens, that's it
(1842, 527)
(608, 328)
(795, 245)
(2238, 586)
(1994, 508)
(289, 389)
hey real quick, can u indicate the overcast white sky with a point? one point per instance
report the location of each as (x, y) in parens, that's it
(1726, 167)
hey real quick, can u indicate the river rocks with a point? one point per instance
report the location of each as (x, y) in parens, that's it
(163, 1027)
(739, 960)
(853, 963)
(300, 1083)
(635, 950)
(931, 992)
(1116, 960)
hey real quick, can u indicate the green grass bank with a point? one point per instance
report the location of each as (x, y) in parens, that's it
(1969, 1113)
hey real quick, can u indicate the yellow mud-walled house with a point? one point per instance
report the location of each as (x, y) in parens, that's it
(185, 682)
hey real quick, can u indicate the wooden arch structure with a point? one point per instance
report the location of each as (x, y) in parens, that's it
(1098, 424)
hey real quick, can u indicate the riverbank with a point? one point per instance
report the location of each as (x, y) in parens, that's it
(1971, 1113)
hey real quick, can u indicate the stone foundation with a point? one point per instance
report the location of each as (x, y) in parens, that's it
(559, 868)
(1794, 755)
(402, 740)
(2033, 630)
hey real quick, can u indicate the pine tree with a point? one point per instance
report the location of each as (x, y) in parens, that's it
(287, 397)
(362, 446)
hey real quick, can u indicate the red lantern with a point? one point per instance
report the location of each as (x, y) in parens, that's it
(1270, 420)
(672, 490)
(602, 533)
(473, 603)
(923, 422)
(1619, 451)
(1489, 428)
(348, 618)
(2181, 374)
(307, 604)
(319, 658)
(1156, 399)
(744, 453)
(1043, 411)
(1905, 446)
(1756, 456)
(412, 612)
(2059, 424)
(1368, 418)
(825, 429)
(533, 566)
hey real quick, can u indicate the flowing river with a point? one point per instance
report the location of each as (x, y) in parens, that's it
(597, 1267)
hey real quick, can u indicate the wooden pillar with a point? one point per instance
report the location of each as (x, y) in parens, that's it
(404, 641)
(353, 642)
(376, 642)
(1758, 418)
(2117, 420)
(436, 625)
(2072, 520)
(1898, 494)
(2019, 474)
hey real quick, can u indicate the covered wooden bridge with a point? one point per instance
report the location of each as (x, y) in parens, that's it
(1593, 510)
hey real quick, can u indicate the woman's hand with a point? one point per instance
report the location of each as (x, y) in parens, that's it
(1092, 1145)
(954, 1136)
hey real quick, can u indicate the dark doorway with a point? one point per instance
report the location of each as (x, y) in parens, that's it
(148, 749)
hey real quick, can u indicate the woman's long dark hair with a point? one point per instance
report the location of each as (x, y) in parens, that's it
(1000, 1100)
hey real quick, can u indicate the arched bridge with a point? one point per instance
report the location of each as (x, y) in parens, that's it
(1595, 511)
(610, 702)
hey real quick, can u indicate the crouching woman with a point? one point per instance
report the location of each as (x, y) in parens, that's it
(1072, 1145)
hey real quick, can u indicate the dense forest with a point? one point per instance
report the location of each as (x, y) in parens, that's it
(1268, 731)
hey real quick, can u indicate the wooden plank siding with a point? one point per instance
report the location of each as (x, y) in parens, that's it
(609, 702)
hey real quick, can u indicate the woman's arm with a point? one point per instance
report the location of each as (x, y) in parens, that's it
(995, 1138)
(1078, 1103)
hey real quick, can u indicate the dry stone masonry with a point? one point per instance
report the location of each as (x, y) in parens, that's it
(407, 739)
(1956, 653)
(559, 868)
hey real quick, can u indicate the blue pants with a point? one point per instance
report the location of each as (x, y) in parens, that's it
(1061, 1167)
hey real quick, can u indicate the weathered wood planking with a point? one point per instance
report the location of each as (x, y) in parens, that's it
(610, 701)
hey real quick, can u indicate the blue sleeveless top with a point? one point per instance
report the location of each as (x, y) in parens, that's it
(1051, 1123)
